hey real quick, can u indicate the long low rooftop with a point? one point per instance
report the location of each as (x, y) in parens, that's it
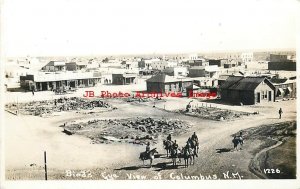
(67, 75)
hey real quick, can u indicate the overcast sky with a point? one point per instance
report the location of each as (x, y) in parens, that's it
(91, 27)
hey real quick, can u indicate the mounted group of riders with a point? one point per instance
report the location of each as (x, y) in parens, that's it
(187, 152)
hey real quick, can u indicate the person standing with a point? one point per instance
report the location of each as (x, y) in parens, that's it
(280, 112)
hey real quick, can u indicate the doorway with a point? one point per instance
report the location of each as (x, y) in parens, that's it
(258, 98)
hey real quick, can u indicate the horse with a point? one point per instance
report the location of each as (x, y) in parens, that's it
(150, 155)
(168, 146)
(237, 140)
(195, 145)
(188, 153)
(176, 153)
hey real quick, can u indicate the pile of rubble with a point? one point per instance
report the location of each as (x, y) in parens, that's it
(136, 131)
(139, 100)
(214, 113)
(47, 107)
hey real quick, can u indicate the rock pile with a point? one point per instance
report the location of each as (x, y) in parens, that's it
(39, 108)
(137, 131)
(214, 113)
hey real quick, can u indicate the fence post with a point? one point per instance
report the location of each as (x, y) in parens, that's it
(45, 161)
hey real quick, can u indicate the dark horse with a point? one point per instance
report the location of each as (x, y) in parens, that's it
(168, 146)
(150, 155)
(237, 140)
(188, 154)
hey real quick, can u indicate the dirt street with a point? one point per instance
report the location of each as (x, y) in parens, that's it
(27, 137)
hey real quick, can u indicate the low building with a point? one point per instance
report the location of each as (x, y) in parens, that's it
(287, 66)
(123, 79)
(197, 71)
(73, 66)
(203, 71)
(165, 83)
(42, 81)
(278, 58)
(54, 66)
(284, 88)
(162, 64)
(247, 90)
(281, 62)
(219, 62)
(176, 71)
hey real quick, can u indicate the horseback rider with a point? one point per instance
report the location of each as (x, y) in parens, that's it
(195, 137)
(175, 145)
(169, 138)
(189, 142)
(148, 148)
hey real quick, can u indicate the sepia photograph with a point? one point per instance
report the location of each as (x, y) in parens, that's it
(172, 91)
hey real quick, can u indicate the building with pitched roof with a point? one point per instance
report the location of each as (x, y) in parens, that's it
(247, 90)
(166, 83)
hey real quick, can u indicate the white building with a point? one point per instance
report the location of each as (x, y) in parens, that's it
(247, 57)
(160, 65)
(176, 71)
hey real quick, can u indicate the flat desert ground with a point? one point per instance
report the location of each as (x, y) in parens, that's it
(27, 137)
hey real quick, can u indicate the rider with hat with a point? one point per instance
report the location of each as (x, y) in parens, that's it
(148, 148)
(194, 137)
(169, 138)
(175, 145)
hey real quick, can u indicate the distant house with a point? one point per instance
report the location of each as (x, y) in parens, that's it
(73, 66)
(284, 88)
(176, 71)
(247, 90)
(123, 79)
(197, 71)
(165, 83)
(162, 64)
(247, 57)
(219, 63)
(203, 71)
(54, 66)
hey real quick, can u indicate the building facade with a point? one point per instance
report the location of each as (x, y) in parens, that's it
(247, 90)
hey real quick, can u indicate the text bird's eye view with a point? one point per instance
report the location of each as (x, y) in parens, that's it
(149, 90)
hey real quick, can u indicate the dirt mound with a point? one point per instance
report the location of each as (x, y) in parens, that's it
(275, 131)
(213, 113)
(275, 140)
(47, 107)
(136, 131)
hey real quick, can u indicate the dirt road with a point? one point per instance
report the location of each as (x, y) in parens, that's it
(27, 137)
